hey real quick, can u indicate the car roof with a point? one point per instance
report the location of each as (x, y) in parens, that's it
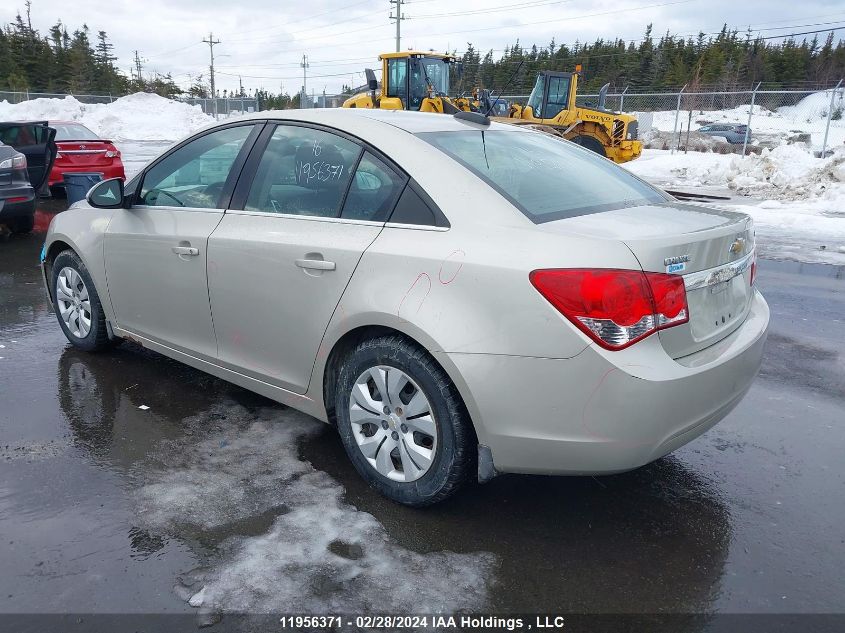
(52, 121)
(412, 122)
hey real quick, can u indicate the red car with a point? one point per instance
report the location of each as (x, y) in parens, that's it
(80, 150)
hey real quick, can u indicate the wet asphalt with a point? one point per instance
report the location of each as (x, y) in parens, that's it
(106, 506)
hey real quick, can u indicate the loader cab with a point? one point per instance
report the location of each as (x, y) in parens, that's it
(552, 94)
(411, 77)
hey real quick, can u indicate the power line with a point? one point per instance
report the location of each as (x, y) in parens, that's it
(791, 35)
(508, 7)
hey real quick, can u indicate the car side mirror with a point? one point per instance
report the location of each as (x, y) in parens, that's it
(107, 194)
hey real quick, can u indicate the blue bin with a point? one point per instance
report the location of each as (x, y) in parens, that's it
(77, 185)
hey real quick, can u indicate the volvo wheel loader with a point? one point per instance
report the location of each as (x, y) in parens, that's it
(551, 108)
(416, 80)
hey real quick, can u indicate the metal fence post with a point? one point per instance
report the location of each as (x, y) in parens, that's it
(748, 125)
(829, 117)
(622, 100)
(677, 114)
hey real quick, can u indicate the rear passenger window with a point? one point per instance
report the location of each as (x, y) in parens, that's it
(303, 172)
(412, 209)
(373, 192)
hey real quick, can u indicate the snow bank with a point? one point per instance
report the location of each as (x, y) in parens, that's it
(787, 172)
(797, 201)
(140, 116)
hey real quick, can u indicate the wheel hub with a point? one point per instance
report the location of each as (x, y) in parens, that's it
(73, 302)
(393, 423)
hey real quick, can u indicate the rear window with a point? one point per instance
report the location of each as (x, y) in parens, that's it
(545, 177)
(73, 132)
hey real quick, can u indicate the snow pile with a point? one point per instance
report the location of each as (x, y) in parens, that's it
(140, 116)
(787, 172)
(318, 554)
(797, 201)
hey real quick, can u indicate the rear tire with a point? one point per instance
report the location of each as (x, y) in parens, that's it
(591, 143)
(77, 304)
(21, 225)
(416, 445)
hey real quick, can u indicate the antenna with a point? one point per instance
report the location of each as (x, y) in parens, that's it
(507, 85)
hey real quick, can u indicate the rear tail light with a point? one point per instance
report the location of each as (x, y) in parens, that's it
(616, 308)
(112, 153)
(18, 161)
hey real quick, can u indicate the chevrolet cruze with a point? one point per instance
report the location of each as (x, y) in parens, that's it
(459, 298)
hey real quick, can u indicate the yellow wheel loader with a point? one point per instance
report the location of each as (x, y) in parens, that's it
(416, 80)
(551, 108)
(411, 80)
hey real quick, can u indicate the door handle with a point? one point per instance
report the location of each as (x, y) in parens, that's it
(186, 250)
(315, 264)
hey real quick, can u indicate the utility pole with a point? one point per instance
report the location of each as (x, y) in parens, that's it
(211, 42)
(398, 17)
(241, 82)
(304, 65)
(138, 70)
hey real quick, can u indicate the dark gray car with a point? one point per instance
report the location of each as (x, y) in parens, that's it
(734, 133)
(27, 152)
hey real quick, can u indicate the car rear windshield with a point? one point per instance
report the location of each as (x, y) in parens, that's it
(545, 177)
(73, 132)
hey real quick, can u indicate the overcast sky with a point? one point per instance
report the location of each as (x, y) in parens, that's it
(263, 40)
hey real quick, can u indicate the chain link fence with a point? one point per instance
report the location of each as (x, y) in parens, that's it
(223, 106)
(672, 120)
(667, 120)
(18, 97)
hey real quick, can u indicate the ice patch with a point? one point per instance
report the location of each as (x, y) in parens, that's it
(320, 555)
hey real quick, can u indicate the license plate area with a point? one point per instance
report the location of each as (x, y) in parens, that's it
(718, 307)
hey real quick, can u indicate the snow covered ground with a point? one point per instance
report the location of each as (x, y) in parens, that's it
(797, 201)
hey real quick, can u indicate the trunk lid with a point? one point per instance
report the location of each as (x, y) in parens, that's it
(83, 153)
(711, 248)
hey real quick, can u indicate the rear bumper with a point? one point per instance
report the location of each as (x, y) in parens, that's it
(604, 412)
(58, 172)
(16, 209)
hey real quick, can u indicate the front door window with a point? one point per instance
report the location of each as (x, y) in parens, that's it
(195, 175)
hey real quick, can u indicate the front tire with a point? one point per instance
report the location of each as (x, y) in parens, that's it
(591, 143)
(22, 225)
(77, 304)
(403, 423)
